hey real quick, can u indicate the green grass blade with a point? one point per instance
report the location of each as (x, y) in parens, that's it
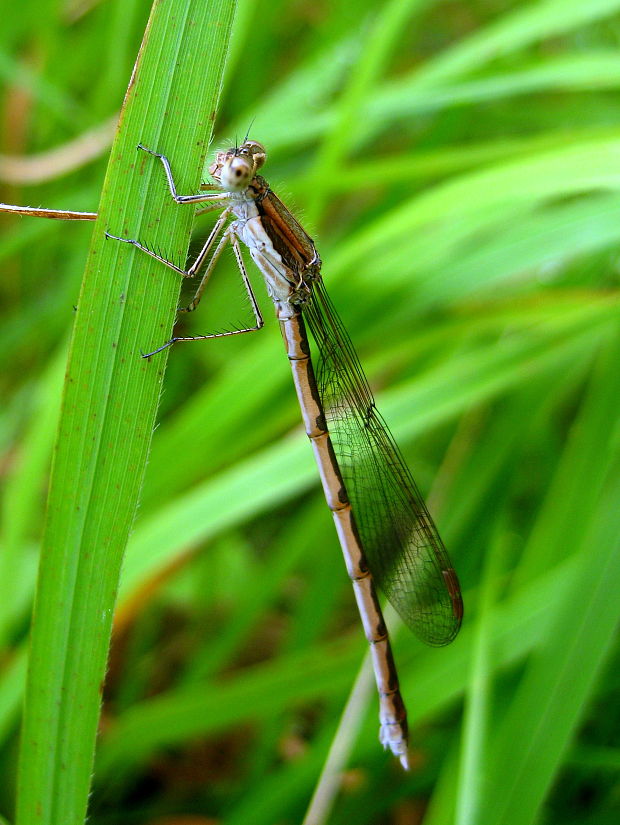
(395, 100)
(21, 501)
(127, 304)
(562, 672)
(478, 694)
(513, 31)
(555, 692)
(375, 51)
(12, 690)
(484, 195)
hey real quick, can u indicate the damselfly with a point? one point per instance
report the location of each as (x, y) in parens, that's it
(386, 533)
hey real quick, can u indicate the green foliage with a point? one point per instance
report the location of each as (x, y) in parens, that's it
(457, 165)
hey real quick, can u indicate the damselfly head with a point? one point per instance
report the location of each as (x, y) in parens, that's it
(235, 168)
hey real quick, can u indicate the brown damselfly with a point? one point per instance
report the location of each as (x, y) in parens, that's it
(386, 533)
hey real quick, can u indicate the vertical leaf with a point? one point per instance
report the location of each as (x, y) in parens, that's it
(110, 399)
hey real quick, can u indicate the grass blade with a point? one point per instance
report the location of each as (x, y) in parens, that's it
(563, 670)
(110, 400)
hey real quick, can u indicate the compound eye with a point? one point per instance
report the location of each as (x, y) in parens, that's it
(257, 151)
(255, 147)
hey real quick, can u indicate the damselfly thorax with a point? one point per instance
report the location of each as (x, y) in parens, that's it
(278, 244)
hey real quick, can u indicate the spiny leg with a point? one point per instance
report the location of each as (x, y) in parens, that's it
(246, 282)
(228, 236)
(202, 255)
(210, 207)
(214, 197)
(208, 272)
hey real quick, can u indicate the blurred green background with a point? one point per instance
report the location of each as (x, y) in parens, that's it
(458, 165)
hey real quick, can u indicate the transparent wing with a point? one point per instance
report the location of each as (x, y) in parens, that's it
(405, 553)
